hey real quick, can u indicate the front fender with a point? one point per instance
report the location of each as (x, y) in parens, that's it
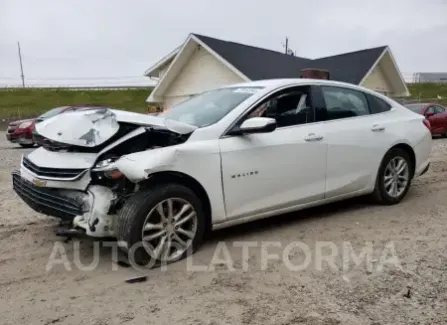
(200, 160)
(138, 166)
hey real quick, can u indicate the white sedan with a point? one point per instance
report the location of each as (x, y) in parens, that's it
(224, 157)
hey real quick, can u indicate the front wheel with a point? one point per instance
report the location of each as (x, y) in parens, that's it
(394, 177)
(162, 224)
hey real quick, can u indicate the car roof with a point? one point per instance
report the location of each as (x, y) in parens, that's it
(274, 83)
(421, 104)
(86, 106)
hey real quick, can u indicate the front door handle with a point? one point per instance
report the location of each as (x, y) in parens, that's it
(377, 128)
(313, 137)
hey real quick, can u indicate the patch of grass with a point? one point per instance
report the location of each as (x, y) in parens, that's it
(31, 102)
(429, 92)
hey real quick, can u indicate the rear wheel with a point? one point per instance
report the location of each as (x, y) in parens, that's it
(162, 224)
(394, 177)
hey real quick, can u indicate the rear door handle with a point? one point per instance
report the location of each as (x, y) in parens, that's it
(377, 128)
(313, 137)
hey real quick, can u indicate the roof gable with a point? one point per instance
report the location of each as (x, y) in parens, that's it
(350, 67)
(258, 63)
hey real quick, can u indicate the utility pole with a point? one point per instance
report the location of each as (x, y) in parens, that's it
(287, 45)
(21, 66)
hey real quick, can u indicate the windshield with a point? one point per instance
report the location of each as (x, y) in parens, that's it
(417, 108)
(209, 107)
(52, 112)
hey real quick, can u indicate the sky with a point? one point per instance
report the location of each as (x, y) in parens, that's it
(114, 41)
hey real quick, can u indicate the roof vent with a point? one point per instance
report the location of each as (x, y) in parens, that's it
(315, 74)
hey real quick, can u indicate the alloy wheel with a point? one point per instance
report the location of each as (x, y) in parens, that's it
(169, 229)
(396, 176)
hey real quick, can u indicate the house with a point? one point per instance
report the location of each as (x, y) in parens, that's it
(203, 63)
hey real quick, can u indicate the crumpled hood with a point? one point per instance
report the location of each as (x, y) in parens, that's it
(92, 128)
(86, 128)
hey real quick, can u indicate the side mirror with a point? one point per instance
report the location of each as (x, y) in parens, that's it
(430, 114)
(255, 125)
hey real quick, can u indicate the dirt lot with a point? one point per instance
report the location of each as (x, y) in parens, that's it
(263, 294)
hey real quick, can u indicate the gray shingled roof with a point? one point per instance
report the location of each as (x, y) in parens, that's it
(257, 63)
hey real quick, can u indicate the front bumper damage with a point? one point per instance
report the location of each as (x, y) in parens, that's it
(87, 209)
(52, 202)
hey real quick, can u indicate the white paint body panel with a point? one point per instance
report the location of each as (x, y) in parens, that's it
(273, 170)
(259, 175)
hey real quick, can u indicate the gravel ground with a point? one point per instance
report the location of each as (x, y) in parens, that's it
(413, 290)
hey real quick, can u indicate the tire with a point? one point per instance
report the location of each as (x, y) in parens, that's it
(26, 145)
(380, 194)
(134, 215)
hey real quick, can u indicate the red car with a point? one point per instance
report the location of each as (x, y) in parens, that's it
(21, 131)
(436, 114)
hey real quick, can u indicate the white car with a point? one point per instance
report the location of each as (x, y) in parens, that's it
(226, 156)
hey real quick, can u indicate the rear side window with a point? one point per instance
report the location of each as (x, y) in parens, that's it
(439, 109)
(377, 105)
(344, 103)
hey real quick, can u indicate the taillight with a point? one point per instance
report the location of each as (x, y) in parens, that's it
(427, 123)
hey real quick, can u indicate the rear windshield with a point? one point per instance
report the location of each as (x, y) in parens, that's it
(417, 108)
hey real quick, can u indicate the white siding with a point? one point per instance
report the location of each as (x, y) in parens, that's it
(202, 72)
(378, 81)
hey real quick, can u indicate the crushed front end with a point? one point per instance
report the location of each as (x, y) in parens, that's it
(72, 175)
(66, 193)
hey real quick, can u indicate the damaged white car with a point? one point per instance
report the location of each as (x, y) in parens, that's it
(227, 156)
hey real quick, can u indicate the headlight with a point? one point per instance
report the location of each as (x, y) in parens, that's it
(104, 164)
(108, 168)
(24, 125)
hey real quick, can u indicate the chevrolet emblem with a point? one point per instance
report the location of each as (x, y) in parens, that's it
(39, 182)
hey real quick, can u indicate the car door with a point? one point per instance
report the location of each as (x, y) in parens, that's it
(267, 172)
(442, 115)
(357, 138)
(429, 114)
(438, 120)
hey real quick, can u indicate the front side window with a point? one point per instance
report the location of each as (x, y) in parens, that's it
(344, 103)
(289, 107)
(430, 110)
(209, 107)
